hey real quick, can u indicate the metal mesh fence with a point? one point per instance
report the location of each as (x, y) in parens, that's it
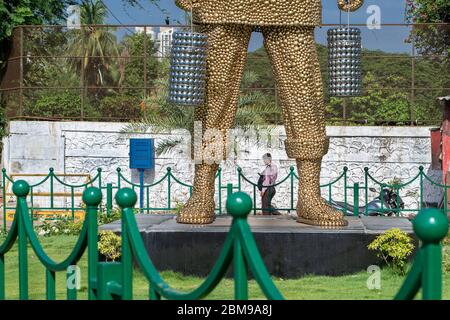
(119, 73)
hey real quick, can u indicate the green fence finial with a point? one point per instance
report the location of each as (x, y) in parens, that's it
(126, 198)
(431, 225)
(239, 204)
(21, 188)
(92, 196)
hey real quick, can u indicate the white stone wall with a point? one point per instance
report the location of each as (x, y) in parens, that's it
(82, 147)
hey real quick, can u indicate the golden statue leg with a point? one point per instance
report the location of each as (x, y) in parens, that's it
(296, 69)
(227, 53)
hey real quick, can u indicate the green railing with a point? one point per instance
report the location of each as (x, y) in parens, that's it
(431, 227)
(420, 178)
(114, 280)
(53, 195)
(167, 184)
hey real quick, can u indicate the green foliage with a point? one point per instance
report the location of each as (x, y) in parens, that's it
(103, 218)
(120, 106)
(20, 12)
(446, 255)
(96, 46)
(65, 226)
(3, 233)
(109, 245)
(60, 104)
(138, 45)
(61, 226)
(394, 247)
(178, 206)
(433, 39)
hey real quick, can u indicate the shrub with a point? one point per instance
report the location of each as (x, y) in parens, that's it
(394, 247)
(109, 245)
(3, 233)
(63, 225)
(115, 214)
(120, 106)
(446, 254)
(59, 104)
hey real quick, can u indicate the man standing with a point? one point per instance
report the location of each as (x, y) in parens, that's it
(269, 174)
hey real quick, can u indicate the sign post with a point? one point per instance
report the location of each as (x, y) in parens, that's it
(142, 157)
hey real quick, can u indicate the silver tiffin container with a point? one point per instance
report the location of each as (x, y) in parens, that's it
(188, 68)
(344, 62)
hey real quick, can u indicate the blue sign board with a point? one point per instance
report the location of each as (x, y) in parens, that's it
(142, 154)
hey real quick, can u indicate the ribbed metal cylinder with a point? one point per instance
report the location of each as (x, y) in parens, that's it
(344, 62)
(188, 68)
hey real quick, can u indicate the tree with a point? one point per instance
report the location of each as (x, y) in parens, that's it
(433, 39)
(94, 44)
(20, 12)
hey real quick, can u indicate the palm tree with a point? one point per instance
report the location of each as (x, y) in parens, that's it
(95, 45)
(162, 116)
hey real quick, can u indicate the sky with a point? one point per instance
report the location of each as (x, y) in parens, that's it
(390, 39)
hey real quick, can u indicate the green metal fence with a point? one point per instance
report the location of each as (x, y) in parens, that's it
(351, 193)
(53, 184)
(113, 280)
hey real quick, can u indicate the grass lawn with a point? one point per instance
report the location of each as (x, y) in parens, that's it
(351, 287)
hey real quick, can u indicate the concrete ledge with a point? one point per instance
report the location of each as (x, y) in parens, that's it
(289, 249)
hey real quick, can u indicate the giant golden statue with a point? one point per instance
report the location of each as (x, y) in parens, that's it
(288, 30)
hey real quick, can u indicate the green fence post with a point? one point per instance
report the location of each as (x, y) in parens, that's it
(99, 172)
(291, 174)
(240, 273)
(51, 173)
(21, 189)
(118, 177)
(345, 190)
(72, 290)
(356, 199)
(229, 189)
(31, 206)
(92, 197)
(50, 293)
(366, 189)
(72, 202)
(109, 198)
(239, 170)
(154, 295)
(169, 173)
(109, 276)
(421, 187)
(2, 277)
(126, 198)
(246, 255)
(219, 189)
(431, 226)
(4, 198)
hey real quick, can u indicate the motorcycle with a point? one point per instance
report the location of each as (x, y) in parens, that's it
(386, 204)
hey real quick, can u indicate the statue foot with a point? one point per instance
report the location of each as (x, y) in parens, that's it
(319, 213)
(312, 209)
(197, 211)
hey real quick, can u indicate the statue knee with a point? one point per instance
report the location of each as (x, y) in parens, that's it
(307, 149)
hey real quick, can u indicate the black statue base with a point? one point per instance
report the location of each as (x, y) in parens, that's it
(289, 249)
